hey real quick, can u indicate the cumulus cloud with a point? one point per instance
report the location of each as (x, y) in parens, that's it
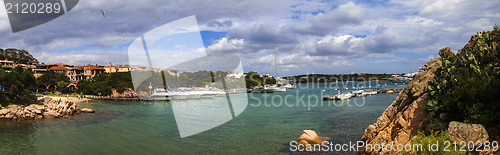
(82, 58)
(220, 23)
(309, 35)
(330, 22)
(346, 45)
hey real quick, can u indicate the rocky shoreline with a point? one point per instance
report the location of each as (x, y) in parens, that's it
(49, 109)
(402, 120)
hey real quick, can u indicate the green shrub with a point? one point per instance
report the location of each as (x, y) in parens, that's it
(439, 138)
(466, 86)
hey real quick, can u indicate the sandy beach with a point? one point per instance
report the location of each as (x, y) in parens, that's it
(70, 98)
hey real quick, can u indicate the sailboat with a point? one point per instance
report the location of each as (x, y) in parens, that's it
(277, 88)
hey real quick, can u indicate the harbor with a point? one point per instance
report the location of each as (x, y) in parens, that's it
(127, 121)
(361, 93)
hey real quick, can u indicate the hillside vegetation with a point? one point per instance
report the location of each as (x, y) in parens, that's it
(466, 86)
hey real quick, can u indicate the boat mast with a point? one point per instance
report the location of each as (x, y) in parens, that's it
(276, 61)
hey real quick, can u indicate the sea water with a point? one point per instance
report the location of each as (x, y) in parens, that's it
(266, 126)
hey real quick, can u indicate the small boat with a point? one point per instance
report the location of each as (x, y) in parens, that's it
(289, 86)
(261, 90)
(221, 93)
(344, 96)
(194, 95)
(178, 95)
(374, 92)
(208, 94)
(358, 93)
(277, 89)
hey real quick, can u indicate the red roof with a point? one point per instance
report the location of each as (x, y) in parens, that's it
(58, 68)
(94, 67)
(73, 83)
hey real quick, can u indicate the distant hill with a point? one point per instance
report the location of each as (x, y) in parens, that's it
(18, 56)
(322, 78)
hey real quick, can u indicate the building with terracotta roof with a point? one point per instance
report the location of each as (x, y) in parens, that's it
(90, 71)
(116, 68)
(60, 70)
(84, 72)
(7, 65)
(38, 72)
(173, 72)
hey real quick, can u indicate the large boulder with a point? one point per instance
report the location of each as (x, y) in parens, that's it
(308, 137)
(87, 110)
(4, 111)
(462, 132)
(50, 109)
(309, 141)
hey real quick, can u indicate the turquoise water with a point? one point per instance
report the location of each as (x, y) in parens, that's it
(150, 127)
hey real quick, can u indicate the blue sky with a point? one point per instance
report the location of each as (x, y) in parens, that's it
(339, 36)
(209, 37)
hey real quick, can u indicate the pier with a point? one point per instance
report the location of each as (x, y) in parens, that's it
(360, 93)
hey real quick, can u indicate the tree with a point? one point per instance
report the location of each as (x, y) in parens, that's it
(51, 78)
(3, 82)
(268, 80)
(253, 79)
(104, 83)
(62, 86)
(20, 85)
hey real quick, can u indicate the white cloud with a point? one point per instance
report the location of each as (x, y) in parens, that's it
(330, 22)
(345, 45)
(227, 45)
(309, 35)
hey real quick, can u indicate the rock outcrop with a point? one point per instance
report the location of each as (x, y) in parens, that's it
(462, 132)
(446, 52)
(50, 109)
(404, 117)
(18, 56)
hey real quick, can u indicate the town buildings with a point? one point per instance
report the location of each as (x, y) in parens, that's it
(82, 72)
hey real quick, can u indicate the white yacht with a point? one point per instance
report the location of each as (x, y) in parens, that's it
(208, 94)
(289, 86)
(194, 94)
(161, 95)
(221, 93)
(278, 89)
(178, 95)
(344, 96)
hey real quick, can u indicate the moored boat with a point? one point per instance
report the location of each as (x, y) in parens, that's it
(161, 95)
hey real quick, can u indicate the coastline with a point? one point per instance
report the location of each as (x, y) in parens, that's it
(70, 98)
(51, 108)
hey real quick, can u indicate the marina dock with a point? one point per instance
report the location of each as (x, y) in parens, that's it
(360, 93)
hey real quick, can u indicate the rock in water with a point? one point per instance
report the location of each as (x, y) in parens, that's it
(87, 110)
(50, 109)
(309, 137)
(459, 132)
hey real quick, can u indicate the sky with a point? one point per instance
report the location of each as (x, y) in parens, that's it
(311, 37)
